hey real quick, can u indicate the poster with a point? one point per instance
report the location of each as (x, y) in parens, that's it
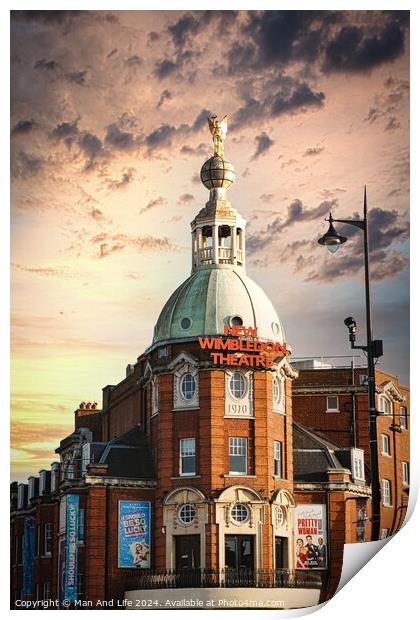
(61, 569)
(28, 556)
(134, 535)
(72, 527)
(361, 510)
(310, 536)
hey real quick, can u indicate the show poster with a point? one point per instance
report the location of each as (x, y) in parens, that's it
(72, 527)
(134, 535)
(28, 556)
(61, 569)
(310, 536)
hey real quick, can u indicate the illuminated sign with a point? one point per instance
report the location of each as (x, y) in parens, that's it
(240, 347)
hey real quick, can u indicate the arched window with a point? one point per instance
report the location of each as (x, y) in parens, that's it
(237, 385)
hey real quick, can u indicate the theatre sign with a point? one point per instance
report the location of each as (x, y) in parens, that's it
(240, 346)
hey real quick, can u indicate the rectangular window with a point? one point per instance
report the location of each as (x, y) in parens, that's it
(162, 352)
(46, 591)
(384, 533)
(363, 379)
(358, 464)
(405, 477)
(403, 418)
(187, 456)
(386, 492)
(80, 586)
(332, 403)
(277, 459)
(385, 448)
(81, 533)
(48, 538)
(238, 449)
(385, 405)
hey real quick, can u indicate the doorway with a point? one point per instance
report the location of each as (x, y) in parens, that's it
(187, 552)
(281, 552)
(239, 552)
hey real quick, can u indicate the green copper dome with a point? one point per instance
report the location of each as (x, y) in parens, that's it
(215, 296)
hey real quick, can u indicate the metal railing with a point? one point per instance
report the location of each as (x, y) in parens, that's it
(228, 578)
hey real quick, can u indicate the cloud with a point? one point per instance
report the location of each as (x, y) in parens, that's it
(133, 61)
(156, 202)
(160, 137)
(165, 67)
(202, 150)
(185, 199)
(127, 177)
(295, 213)
(266, 197)
(46, 65)
(393, 123)
(48, 272)
(310, 152)
(23, 127)
(352, 50)
(110, 244)
(120, 140)
(97, 215)
(263, 144)
(27, 165)
(164, 96)
(77, 77)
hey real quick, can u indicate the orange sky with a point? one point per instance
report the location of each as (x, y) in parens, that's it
(108, 135)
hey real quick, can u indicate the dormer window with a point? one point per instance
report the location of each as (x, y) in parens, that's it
(358, 464)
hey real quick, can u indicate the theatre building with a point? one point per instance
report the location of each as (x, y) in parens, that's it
(192, 479)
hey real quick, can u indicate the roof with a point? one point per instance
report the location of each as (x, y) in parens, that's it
(129, 456)
(209, 298)
(313, 455)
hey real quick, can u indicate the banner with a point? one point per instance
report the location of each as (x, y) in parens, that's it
(134, 535)
(61, 569)
(310, 536)
(28, 555)
(72, 527)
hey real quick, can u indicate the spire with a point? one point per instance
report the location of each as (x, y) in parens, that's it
(218, 230)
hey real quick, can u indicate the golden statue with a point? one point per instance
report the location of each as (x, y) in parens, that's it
(218, 130)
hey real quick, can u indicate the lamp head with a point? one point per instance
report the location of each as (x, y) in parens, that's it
(332, 240)
(350, 322)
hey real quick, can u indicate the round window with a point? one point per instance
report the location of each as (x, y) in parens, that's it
(237, 385)
(188, 386)
(276, 389)
(276, 328)
(240, 513)
(186, 323)
(279, 516)
(186, 514)
(236, 320)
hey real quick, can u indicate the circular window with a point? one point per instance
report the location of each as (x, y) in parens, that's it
(186, 323)
(279, 516)
(240, 513)
(186, 514)
(237, 385)
(236, 320)
(276, 389)
(188, 386)
(276, 328)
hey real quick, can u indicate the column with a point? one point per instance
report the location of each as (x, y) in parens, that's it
(233, 245)
(193, 249)
(215, 244)
(199, 244)
(242, 245)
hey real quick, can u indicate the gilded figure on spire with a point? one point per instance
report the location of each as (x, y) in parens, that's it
(218, 130)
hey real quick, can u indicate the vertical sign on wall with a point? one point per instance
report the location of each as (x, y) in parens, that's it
(72, 527)
(28, 555)
(61, 569)
(134, 535)
(310, 536)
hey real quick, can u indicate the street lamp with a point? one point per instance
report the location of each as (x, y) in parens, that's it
(373, 348)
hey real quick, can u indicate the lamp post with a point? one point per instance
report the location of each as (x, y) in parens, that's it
(373, 348)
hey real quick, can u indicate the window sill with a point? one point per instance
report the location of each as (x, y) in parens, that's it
(230, 475)
(332, 411)
(183, 476)
(187, 408)
(232, 416)
(386, 454)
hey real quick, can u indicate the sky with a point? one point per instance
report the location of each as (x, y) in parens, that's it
(108, 134)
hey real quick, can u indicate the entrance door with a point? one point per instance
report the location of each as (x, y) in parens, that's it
(239, 552)
(281, 552)
(187, 552)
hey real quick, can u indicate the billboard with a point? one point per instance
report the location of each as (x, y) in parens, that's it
(310, 534)
(133, 534)
(72, 528)
(28, 555)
